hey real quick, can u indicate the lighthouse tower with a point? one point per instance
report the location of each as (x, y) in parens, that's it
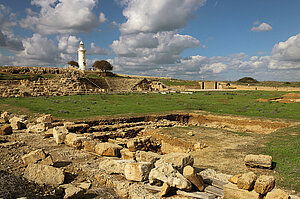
(81, 56)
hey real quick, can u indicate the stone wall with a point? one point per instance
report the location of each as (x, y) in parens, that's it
(45, 87)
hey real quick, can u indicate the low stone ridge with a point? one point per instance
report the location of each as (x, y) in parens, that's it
(264, 161)
(264, 184)
(44, 174)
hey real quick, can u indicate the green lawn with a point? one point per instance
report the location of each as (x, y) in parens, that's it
(283, 146)
(237, 103)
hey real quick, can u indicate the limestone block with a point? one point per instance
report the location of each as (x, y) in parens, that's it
(264, 161)
(59, 134)
(108, 149)
(6, 130)
(165, 172)
(89, 145)
(72, 191)
(47, 161)
(34, 156)
(246, 181)
(17, 123)
(43, 174)
(147, 156)
(37, 128)
(178, 160)
(111, 166)
(164, 190)
(74, 140)
(127, 155)
(234, 178)
(190, 174)
(264, 184)
(131, 145)
(277, 194)
(231, 191)
(45, 119)
(138, 171)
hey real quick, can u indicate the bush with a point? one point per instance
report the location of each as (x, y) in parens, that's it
(73, 63)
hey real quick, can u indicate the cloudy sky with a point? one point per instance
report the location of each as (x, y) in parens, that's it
(187, 39)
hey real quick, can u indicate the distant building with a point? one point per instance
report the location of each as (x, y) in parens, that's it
(81, 56)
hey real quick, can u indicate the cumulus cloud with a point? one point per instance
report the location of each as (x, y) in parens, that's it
(68, 44)
(62, 17)
(9, 41)
(94, 50)
(263, 27)
(156, 15)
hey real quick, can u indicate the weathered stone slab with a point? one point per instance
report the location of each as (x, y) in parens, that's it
(37, 128)
(234, 178)
(277, 194)
(246, 181)
(43, 174)
(34, 156)
(72, 191)
(111, 166)
(190, 174)
(89, 145)
(6, 130)
(177, 160)
(74, 140)
(231, 191)
(45, 119)
(264, 184)
(147, 156)
(108, 149)
(264, 161)
(127, 155)
(138, 171)
(165, 172)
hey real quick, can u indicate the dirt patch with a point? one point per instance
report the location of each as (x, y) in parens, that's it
(287, 98)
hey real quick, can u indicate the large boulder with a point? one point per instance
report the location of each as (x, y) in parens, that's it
(138, 171)
(44, 174)
(59, 134)
(178, 160)
(263, 161)
(165, 172)
(6, 130)
(264, 184)
(108, 149)
(246, 181)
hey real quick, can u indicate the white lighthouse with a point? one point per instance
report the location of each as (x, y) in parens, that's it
(81, 56)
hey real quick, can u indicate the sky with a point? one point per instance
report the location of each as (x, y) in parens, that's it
(184, 39)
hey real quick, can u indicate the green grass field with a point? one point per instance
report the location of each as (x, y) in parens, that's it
(236, 103)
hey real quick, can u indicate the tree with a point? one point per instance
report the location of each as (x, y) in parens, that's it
(247, 80)
(73, 63)
(103, 65)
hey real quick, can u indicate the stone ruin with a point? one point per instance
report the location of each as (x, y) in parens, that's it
(130, 161)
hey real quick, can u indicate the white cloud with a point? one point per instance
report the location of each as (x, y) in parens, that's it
(263, 27)
(102, 18)
(94, 50)
(68, 44)
(9, 41)
(62, 17)
(157, 15)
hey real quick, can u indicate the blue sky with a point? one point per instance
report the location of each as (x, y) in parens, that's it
(187, 39)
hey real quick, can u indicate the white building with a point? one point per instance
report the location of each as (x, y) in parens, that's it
(81, 56)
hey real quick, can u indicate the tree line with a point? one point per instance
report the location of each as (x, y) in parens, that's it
(100, 65)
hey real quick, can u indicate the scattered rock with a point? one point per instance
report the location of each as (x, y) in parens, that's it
(190, 133)
(165, 172)
(264, 184)
(17, 123)
(74, 140)
(277, 194)
(246, 181)
(190, 174)
(72, 191)
(6, 130)
(263, 161)
(164, 190)
(127, 155)
(44, 174)
(138, 171)
(231, 191)
(45, 119)
(111, 166)
(108, 149)
(234, 178)
(37, 128)
(178, 160)
(59, 134)
(89, 145)
(147, 156)
(84, 185)
(47, 161)
(34, 156)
